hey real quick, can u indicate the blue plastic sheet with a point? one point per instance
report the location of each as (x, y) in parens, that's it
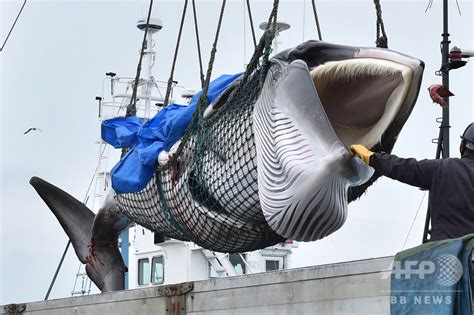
(121, 132)
(433, 278)
(133, 172)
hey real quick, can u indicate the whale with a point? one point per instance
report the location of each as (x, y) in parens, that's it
(269, 161)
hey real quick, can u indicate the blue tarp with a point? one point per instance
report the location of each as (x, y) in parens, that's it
(433, 278)
(133, 172)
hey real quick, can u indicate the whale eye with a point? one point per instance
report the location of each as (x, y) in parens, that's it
(362, 96)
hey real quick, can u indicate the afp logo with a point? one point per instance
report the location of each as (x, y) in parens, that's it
(446, 268)
(449, 270)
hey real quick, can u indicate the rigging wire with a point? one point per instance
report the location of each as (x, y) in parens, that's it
(11, 28)
(304, 18)
(86, 197)
(316, 19)
(132, 107)
(245, 34)
(251, 24)
(201, 73)
(414, 219)
(430, 4)
(170, 80)
(459, 9)
(214, 50)
(203, 98)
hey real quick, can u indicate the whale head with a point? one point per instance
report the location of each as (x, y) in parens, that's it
(317, 100)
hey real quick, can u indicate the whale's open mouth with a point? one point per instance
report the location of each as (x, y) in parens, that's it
(362, 117)
(320, 99)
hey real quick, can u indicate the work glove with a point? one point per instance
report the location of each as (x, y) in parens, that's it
(362, 152)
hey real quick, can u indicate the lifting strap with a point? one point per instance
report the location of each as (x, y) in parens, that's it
(201, 73)
(170, 80)
(262, 49)
(203, 101)
(251, 24)
(381, 40)
(316, 19)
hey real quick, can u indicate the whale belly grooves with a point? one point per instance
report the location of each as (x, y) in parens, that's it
(304, 169)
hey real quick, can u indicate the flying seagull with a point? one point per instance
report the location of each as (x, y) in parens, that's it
(31, 129)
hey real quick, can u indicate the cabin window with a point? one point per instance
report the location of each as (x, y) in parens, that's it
(157, 270)
(143, 271)
(238, 263)
(274, 264)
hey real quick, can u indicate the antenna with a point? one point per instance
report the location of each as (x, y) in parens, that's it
(280, 27)
(154, 26)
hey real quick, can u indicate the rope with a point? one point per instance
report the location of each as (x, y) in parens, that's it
(170, 80)
(380, 41)
(11, 28)
(132, 107)
(316, 19)
(198, 45)
(202, 102)
(251, 24)
(214, 50)
(263, 48)
(271, 29)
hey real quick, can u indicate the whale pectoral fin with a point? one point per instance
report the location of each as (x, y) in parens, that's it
(75, 218)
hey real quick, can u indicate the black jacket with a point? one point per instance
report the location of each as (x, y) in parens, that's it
(451, 185)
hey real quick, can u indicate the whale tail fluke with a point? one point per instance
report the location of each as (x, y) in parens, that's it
(75, 218)
(94, 239)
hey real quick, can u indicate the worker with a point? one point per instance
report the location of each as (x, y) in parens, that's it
(450, 182)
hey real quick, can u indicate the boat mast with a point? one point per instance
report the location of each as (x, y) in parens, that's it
(442, 150)
(154, 26)
(445, 73)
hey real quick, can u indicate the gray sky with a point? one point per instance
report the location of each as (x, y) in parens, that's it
(53, 66)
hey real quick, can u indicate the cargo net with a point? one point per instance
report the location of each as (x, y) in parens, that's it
(208, 192)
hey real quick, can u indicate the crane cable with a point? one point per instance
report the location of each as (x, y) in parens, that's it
(251, 24)
(316, 19)
(202, 102)
(11, 28)
(201, 73)
(170, 80)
